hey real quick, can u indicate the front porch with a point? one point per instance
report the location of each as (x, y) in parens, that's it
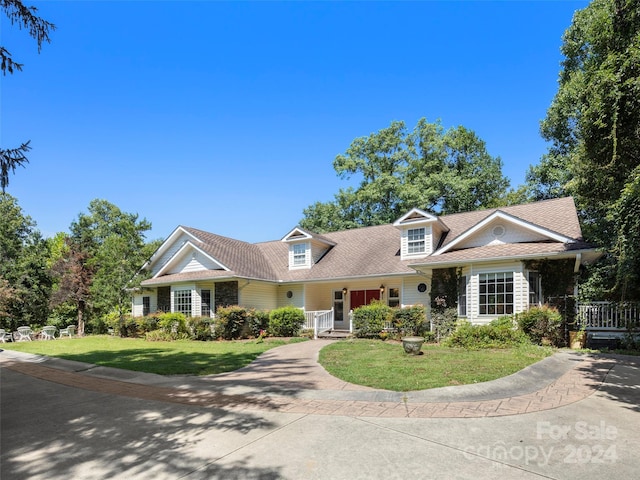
(607, 323)
(322, 323)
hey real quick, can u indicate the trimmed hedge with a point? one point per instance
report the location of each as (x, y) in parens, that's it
(410, 320)
(369, 320)
(285, 321)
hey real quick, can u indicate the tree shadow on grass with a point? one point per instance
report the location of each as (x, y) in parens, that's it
(263, 376)
(51, 431)
(163, 362)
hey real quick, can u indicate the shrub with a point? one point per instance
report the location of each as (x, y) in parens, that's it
(285, 321)
(175, 323)
(542, 325)
(444, 321)
(493, 335)
(410, 320)
(159, 335)
(231, 322)
(369, 320)
(127, 326)
(429, 337)
(148, 323)
(200, 328)
(258, 322)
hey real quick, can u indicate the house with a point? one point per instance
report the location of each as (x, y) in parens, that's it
(195, 272)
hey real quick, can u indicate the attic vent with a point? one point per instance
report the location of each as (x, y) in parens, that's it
(498, 231)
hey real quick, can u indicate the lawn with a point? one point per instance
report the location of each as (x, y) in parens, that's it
(385, 365)
(373, 363)
(182, 357)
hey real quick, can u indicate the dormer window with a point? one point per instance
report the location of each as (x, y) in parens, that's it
(305, 248)
(299, 255)
(415, 240)
(420, 233)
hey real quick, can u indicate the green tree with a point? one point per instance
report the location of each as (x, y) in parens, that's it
(548, 179)
(23, 266)
(429, 168)
(115, 244)
(593, 124)
(23, 17)
(457, 163)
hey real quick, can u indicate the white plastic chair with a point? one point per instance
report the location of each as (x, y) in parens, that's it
(4, 336)
(69, 331)
(49, 332)
(24, 334)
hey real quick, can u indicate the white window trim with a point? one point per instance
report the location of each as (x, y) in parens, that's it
(296, 258)
(513, 302)
(412, 243)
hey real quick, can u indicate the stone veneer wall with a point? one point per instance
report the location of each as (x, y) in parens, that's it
(164, 299)
(226, 293)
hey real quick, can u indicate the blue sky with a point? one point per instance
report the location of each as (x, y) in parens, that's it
(227, 116)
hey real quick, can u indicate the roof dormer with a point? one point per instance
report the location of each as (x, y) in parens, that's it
(420, 232)
(305, 248)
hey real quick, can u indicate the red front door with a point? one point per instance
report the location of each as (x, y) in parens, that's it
(363, 297)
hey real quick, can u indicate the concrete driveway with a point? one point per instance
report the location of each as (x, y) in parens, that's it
(283, 416)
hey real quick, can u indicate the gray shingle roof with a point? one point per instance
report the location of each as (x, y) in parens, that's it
(375, 251)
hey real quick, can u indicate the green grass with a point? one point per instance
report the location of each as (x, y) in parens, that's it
(182, 357)
(385, 365)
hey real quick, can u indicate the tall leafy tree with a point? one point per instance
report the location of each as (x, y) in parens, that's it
(115, 244)
(23, 266)
(39, 29)
(74, 274)
(429, 168)
(593, 125)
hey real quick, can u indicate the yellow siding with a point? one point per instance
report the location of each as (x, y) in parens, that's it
(255, 294)
(297, 296)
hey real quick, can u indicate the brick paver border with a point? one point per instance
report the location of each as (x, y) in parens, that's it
(578, 383)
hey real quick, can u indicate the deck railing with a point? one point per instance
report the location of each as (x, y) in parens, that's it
(608, 315)
(319, 321)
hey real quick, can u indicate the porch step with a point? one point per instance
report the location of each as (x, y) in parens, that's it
(335, 334)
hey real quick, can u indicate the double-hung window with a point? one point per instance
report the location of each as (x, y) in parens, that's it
(299, 254)
(415, 240)
(534, 289)
(146, 306)
(462, 296)
(496, 293)
(394, 297)
(205, 303)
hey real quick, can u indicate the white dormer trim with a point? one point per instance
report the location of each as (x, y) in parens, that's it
(296, 235)
(176, 256)
(415, 215)
(418, 220)
(508, 219)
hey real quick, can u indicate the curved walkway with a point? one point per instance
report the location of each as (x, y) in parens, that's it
(289, 379)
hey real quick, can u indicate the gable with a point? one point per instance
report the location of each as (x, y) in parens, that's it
(191, 260)
(500, 232)
(501, 228)
(177, 240)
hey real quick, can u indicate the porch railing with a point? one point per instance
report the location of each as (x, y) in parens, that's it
(608, 315)
(319, 321)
